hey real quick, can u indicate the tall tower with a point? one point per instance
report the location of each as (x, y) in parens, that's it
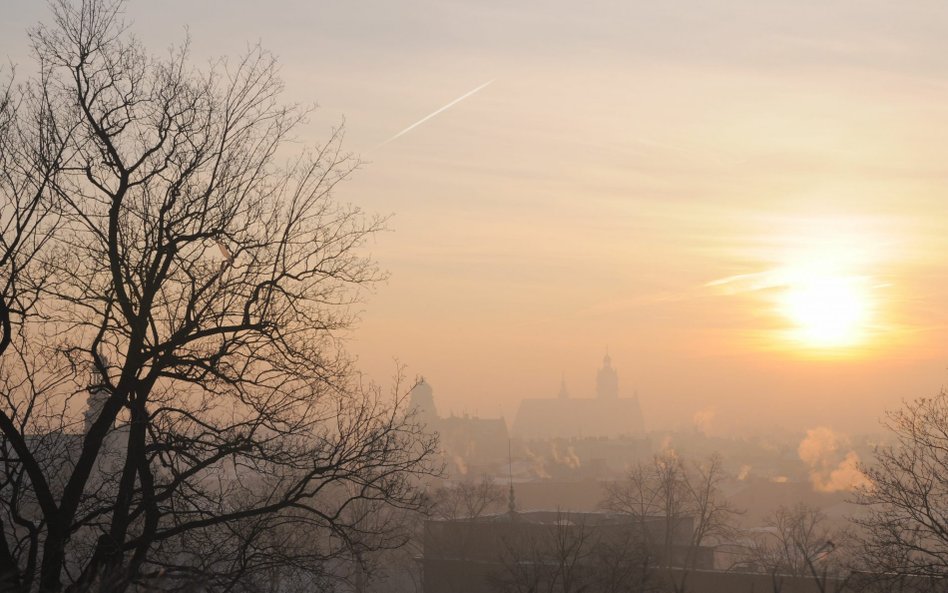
(422, 401)
(607, 380)
(98, 395)
(563, 394)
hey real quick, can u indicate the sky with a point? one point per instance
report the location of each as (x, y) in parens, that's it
(742, 201)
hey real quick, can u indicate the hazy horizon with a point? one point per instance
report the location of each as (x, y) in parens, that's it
(741, 203)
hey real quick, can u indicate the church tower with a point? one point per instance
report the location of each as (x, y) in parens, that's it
(563, 394)
(98, 395)
(607, 380)
(422, 401)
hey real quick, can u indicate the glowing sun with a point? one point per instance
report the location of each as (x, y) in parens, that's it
(827, 311)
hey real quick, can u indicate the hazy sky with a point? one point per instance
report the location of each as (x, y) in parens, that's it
(744, 201)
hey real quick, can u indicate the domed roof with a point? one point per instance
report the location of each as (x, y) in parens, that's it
(421, 398)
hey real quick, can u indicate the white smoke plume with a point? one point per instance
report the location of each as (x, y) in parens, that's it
(831, 469)
(570, 459)
(537, 462)
(744, 473)
(460, 465)
(703, 419)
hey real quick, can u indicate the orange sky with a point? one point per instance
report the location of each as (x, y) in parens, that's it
(661, 179)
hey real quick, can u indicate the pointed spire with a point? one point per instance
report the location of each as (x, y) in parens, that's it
(511, 502)
(563, 394)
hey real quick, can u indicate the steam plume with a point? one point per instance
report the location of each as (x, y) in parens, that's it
(830, 469)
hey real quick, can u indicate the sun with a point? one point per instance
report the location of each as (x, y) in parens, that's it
(823, 288)
(827, 311)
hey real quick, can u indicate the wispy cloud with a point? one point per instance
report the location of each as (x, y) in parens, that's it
(740, 283)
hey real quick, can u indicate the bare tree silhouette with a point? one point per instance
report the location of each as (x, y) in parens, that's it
(905, 534)
(570, 555)
(468, 498)
(548, 558)
(799, 543)
(159, 236)
(677, 491)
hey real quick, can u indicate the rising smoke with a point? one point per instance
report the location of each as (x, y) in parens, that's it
(833, 466)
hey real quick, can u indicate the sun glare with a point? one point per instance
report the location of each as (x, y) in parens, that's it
(827, 311)
(826, 295)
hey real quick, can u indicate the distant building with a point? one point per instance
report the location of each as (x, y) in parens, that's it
(465, 440)
(606, 415)
(421, 399)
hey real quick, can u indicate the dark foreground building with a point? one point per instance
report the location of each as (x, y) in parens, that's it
(551, 550)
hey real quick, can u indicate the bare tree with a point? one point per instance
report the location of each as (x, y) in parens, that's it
(679, 493)
(714, 516)
(464, 501)
(650, 490)
(905, 526)
(685, 498)
(468, 498)
(796, 538)
(32, 148)
(572, 554)
(621, 563)
(798, 542)
(32, 145)
(200, 274)
(547, 558)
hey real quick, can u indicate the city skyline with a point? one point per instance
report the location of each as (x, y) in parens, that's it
(674, 183)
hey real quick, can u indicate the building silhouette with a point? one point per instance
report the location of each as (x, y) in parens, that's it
(604, 416)
(465, 440)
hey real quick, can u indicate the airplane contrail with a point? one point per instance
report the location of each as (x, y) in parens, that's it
(434, 113)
